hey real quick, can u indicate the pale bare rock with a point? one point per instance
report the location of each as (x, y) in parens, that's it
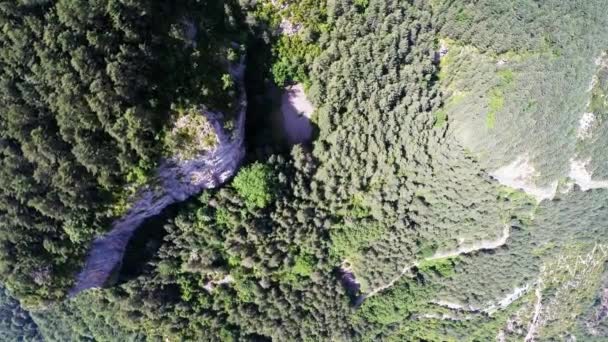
(279, 4)
(592, 85)
(513, 296)
(601, 59)
(600, 314)
(490, 307)
(582, 177)
(288, 28)
(178, 180)
(456, 306)
(509, 299)
(500, 337)
(584, 126)
(520, 174)
(444, 317)
(200, 132)
(537, 309)
(212, 284)
(474, 247)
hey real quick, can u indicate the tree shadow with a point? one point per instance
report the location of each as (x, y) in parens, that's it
(143, 246)
(274, 121)
(295, 112)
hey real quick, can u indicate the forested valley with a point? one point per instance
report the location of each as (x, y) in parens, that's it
(453, 187)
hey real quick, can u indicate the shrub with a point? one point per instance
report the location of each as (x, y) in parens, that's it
(255, 184)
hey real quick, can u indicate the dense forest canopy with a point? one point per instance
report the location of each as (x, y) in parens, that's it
(16, 324)
(87, 89)
(454, 189)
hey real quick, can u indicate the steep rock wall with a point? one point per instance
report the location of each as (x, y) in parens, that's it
(177, 180)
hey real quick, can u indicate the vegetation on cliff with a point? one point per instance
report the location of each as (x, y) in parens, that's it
(85, 91)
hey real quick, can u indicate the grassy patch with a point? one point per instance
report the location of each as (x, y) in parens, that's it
(496, 102)
(347, 240)
(441, 267)
(224, 218)
(441, 118)
(256, 185)
(190, 135)
(303, 266)
(506, 77)
(292, 58)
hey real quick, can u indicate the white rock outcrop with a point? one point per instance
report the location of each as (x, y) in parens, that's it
(520, 174)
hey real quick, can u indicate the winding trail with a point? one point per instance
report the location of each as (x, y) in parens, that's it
(477, 246)
(177, 180)
(537, 309)
(492, 306)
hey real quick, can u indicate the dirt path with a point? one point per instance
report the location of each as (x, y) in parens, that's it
(490, 307)
(537, 308)
(477, 246)
(178, 181)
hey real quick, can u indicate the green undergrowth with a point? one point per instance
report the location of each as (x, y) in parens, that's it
(256, 184)
(293, 54)
(441, 267)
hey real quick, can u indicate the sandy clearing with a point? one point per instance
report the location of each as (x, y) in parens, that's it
(296, 110)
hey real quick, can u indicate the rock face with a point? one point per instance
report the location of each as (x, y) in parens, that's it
(177, 180)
